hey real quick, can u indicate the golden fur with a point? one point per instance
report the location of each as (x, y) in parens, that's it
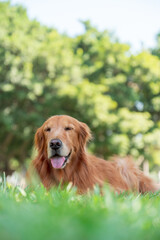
(84, 170)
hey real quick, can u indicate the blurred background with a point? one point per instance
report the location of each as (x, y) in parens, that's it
(98, 61)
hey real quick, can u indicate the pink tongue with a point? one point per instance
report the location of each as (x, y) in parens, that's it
(57, 162)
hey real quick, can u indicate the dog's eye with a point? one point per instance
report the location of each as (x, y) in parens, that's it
(68, 128)
(48, 129)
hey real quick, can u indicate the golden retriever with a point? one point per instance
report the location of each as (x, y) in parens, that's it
(62, 158)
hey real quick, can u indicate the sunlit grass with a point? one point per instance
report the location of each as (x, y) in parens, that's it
(34, 213)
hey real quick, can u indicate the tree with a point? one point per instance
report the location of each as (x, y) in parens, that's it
(92, 77)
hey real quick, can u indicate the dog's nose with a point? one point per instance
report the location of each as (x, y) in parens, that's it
(55, 144)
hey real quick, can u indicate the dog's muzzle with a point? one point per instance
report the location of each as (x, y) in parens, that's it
(59, 162)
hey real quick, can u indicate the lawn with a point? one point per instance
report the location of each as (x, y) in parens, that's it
(35, 213)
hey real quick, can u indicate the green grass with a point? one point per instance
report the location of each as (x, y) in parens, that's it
(61, 214)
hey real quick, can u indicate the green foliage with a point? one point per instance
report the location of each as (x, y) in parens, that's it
(92, 77)
(34, 213)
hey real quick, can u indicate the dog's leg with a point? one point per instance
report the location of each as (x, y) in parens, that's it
(134, 178)
(146, 184)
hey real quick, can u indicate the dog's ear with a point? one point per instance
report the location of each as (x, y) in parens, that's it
(39, 139)
(84, 134)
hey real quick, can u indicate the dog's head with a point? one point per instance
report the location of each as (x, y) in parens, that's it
(60, 138)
